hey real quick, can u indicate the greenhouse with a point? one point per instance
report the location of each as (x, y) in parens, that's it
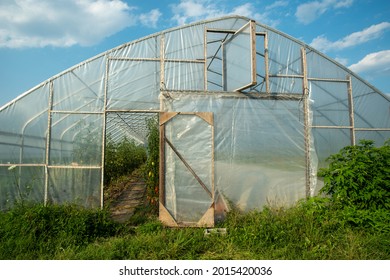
(247, 115)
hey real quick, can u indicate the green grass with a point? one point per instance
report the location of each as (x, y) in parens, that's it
(311, 230)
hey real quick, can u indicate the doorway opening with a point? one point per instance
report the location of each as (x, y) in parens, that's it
(131, 160)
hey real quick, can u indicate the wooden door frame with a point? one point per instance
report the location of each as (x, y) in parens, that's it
(165, 217)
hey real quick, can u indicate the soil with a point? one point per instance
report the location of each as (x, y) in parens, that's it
(126, 195)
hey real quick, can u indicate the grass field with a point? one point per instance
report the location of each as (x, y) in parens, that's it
(312, 229)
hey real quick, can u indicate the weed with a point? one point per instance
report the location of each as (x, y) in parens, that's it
(306, 231)
(38, 232)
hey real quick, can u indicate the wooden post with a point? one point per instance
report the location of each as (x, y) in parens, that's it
(305, 96)
(351, 111)
(266, 63)
(162, 162)
(162, 67)
(104, 133)
(48, 135)
(252, 31)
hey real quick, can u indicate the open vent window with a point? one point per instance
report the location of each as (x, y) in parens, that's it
(236, 60)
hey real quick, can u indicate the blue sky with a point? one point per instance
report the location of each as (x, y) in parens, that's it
(40, 38)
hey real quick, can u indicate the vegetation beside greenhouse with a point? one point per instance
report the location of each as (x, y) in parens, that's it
(348, 220)
(311, 230)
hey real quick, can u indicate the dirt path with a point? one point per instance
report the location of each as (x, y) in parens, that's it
(131, 196)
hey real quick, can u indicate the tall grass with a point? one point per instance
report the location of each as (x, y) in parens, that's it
(39, 232)
(312, 229)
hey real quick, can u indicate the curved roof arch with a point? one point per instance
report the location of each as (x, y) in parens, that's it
(201, 23)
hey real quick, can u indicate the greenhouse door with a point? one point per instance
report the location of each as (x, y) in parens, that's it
(187, 169)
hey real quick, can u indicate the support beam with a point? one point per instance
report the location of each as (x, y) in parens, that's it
(266, 63)
(104, 132)
(162, 163)
(48, 136)
(351, 111)
(305, 96)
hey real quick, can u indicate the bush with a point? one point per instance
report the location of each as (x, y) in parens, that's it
(357, 182)
(359, 176)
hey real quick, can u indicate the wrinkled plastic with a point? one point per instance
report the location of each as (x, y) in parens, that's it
(259, 148)
(192, 139)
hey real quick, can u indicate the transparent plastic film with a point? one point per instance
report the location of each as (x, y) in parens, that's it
(188, 167)
(259, 148)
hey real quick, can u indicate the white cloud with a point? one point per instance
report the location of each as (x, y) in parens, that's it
(248, 10)
(377, 63)
(63, 23)
(193, 10)
(277, 4)
(150, 19)
(373, 32)
(309, 12)
(245, 10)
(343, 4)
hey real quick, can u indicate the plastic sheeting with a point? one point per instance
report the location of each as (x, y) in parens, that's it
(237, 74)
(80, 186)
(267, 146)
(259, 147)
(133, 85)
(21, 183)
(191, 139)
(23, 128)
